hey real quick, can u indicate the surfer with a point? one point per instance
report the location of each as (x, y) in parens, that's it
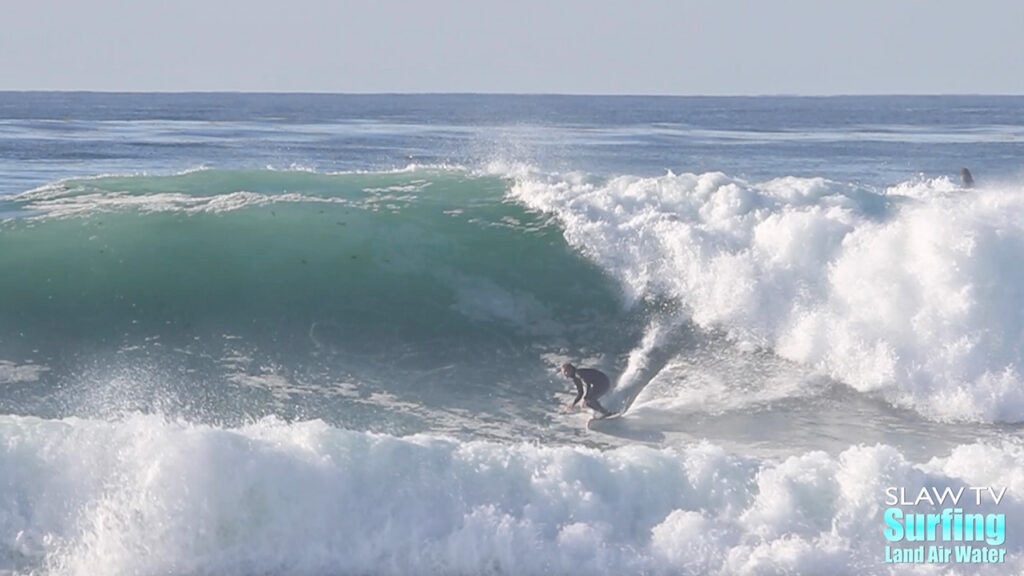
(591, 384)
(966, 179)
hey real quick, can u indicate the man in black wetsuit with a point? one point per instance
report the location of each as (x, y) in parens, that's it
(590, 385)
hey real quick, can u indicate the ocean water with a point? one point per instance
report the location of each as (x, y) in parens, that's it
(316, 334)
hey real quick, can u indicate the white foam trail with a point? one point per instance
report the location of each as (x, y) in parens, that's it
(916, 293)
(638, 360)
(61, 187)
(147, 496)
(100, 202)
(412, 167)
(11, 373)
(76, 197)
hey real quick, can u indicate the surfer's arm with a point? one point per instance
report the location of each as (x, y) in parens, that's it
(579, 390)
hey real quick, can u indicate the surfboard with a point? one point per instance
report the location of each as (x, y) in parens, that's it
(625, 404)
(595, 419)
(600, 421)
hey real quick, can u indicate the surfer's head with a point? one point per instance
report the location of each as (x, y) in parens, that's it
(568, 370)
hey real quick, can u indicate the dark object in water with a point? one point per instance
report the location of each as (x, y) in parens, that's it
(966, 179)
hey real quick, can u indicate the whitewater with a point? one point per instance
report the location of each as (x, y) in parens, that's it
(313, 334)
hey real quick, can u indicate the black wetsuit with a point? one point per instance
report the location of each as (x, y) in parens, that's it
(590, 385)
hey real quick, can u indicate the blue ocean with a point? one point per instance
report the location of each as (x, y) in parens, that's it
(266, 334)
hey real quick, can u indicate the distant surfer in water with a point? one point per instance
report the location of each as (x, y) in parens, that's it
(590, 385)
(966, 179)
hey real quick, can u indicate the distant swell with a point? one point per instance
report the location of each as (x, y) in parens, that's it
(146, 496)
(916, 292)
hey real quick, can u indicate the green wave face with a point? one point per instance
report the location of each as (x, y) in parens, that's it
(419, 270)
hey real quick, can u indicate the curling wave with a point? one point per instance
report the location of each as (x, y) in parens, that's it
(915, 292)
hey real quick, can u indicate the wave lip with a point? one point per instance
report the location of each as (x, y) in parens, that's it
(144, 495)
(914, 293)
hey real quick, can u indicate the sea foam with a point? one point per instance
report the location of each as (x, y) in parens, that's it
(915, 292)
(144, 495)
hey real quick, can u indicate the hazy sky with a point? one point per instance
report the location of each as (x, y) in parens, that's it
(560, 46)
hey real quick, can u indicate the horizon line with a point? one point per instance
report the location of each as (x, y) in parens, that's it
(515, 94)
